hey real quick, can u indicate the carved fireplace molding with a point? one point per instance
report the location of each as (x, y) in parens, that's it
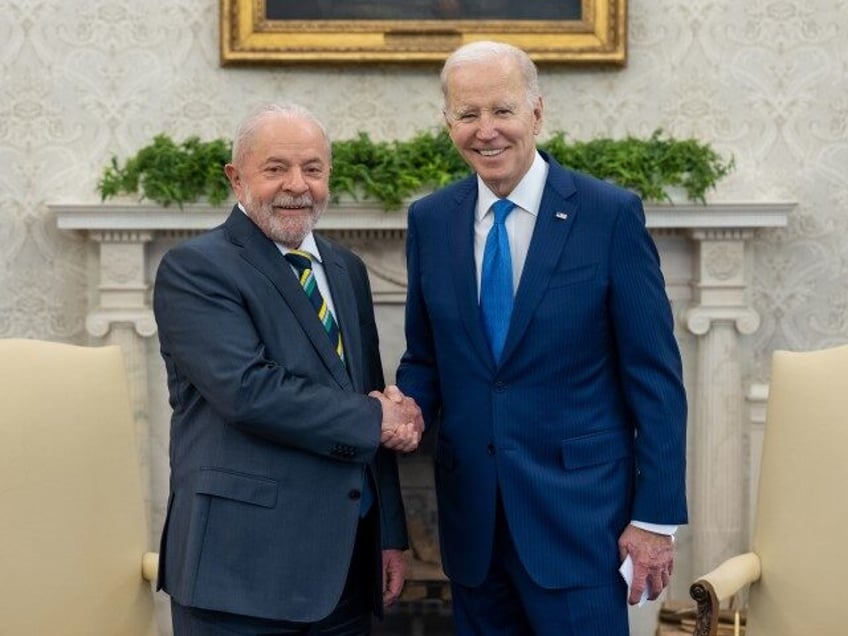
(713, 309)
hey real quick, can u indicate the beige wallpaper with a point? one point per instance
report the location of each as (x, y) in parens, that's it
(763, 80)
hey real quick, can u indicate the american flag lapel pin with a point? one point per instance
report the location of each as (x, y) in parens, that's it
(562, 216)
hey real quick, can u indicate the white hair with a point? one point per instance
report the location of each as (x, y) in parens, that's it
(485, 50)
(247, 128)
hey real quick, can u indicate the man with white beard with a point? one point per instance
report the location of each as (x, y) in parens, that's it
(285, 514)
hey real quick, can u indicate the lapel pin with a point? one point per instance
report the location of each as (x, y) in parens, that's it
(562, 216)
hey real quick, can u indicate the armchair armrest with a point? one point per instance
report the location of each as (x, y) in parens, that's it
(150, 566)
(720, 584)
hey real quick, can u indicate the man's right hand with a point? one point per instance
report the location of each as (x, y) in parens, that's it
(403, 423)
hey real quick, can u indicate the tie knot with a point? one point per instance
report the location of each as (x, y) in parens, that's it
(501, 208)
(300, 259)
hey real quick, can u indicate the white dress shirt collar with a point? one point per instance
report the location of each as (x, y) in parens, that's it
(527, 195)
(307, 245)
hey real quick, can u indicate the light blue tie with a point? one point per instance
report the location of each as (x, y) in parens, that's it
(496, 280)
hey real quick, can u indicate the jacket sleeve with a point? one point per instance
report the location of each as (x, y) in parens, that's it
(650, 368)
(216, 356)
(393, 529)
(418, 374)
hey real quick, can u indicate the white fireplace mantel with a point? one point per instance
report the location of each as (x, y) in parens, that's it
(713, 310)
(360, 216)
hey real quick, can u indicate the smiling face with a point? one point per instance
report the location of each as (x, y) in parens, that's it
(491, 121)
(282, 176)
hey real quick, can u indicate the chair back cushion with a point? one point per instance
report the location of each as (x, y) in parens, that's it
(802, 505)
(72, 517)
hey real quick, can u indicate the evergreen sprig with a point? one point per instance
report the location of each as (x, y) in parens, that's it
(167, 172)
(392, 171)
(647, 166)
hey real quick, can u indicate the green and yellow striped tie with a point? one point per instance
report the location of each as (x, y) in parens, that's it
(302, 262)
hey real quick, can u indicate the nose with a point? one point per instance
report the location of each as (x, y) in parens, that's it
(486, 126)
(294, 181)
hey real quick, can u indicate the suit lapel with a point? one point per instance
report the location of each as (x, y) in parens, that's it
(344, 299)
(459, 227)
(263, 254)
(557, 213)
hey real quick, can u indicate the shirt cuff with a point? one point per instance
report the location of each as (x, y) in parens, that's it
(659, 528)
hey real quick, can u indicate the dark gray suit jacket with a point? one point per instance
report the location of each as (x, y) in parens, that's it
(270, 435)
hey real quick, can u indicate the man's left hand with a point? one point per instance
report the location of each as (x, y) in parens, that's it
(394, 574)
(653, 561)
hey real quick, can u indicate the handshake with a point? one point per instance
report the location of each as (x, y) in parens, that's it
(403, 423)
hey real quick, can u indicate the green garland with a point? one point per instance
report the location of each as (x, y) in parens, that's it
(391, 172)
(167, 173)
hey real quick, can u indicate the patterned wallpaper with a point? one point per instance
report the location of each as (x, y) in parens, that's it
(765, 81)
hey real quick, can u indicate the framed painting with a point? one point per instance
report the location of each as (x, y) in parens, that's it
(412, 31)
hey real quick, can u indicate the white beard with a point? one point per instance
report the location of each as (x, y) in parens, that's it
(288, 230)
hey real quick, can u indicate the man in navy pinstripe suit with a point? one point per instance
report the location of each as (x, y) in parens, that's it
(560, 453)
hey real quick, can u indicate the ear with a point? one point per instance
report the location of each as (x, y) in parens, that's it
(538, 110)
(447, 120)
(234, 178)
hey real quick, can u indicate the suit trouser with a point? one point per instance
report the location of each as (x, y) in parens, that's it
(351, 616)
(510, 603)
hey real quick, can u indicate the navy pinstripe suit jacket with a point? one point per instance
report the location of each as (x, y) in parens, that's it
(582, 425)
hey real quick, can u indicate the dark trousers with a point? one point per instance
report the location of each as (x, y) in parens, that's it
(351, 616)
(510, 603)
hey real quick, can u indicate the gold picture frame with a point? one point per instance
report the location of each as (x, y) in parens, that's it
(249, 36)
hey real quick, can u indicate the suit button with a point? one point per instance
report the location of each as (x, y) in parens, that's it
(500, 387)
(490, 448)
(354, 494)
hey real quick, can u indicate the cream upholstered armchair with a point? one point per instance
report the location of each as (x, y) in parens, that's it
(799, 556)
(72, 518)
